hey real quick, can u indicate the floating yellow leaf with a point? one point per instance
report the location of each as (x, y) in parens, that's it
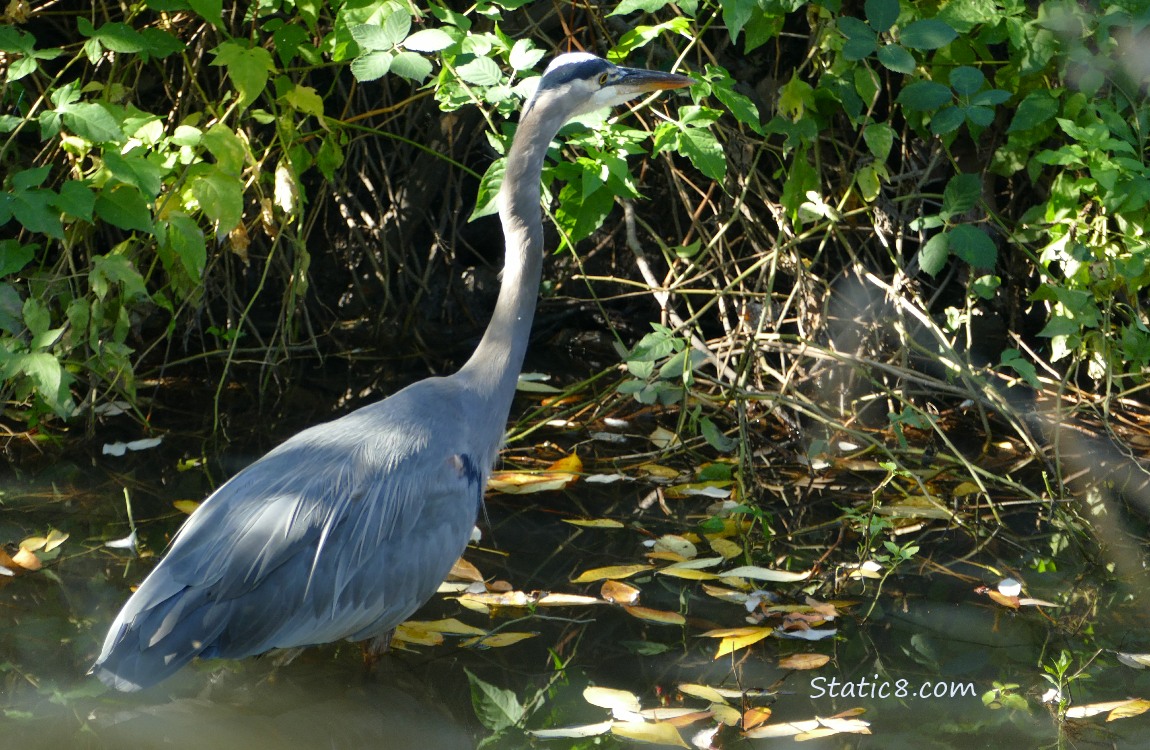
(412, 633)
(726, 548)
(611, 571)
(187, 507)
(585, 730)
(726, 595)
(690, 574)
(745, 637)
(656, 733)
(655, 615)
(498, 640)
(1003, 599)
(33, 543)
(450, 626)
(595, 523)
(1123, 709)
(725, 714)
(660, 471)
(611, 698)
(962, 489)
(663, 438)
(55, 539)
(803, 661)
(571, 464)
(753, 717)
(680, 716)
(523, 483)
(756, 573)
(676, 545)
(1132, 707)
(706, 692)
(619, 593)
(27, 560)
(1138, 661)
(565, 600)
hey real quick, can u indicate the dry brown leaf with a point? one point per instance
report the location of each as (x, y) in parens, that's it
(611, 571)
(726, 548)
(465, 571)
(619, 593)
(655, 615)
(753, 717)
(27, 559)
(1003, 599)
(595, 523)
(803, 661)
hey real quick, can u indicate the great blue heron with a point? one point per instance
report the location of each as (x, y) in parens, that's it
(347, 528)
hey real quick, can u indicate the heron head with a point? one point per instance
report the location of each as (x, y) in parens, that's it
(586, 83)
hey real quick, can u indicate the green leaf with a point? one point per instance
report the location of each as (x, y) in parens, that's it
(117, 37)
(125, 207)
(879, 139)
(973, 245)
(412, 66)
(736, 14)
(330, 156)
(482, 71)
(924, 96)
(50, 380)
(1013, 359)
(209, 10)
(37, 317)
(115, 269)
(986, 286)
(1037, 108)
(33, 209)
(371, 66)
(76, 200)
(186, 241)
(947, 120)
(961, 194)
(966, 80)
(894, 57)
(715, 437)
(304, 99)
(496, 708)
(27, 179)
(396, 26)
(135, 170)
(14, 256)
(881, 13)
(930, 33)
(371, 38)
(645, 6)
(487, 201)
(703, 150)
(92, 121)
(524, 55)
(226, 147)
(221, 198)
(981, 116)
(990, 97)
(160, 43)
(247, 67)
(932, 257)
(430, 40)
(853, 28)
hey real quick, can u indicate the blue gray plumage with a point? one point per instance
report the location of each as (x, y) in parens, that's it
(346, 529)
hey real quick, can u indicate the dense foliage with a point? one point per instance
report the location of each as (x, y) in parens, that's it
(868, 200)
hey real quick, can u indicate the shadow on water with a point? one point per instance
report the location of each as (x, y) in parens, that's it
(935, 664)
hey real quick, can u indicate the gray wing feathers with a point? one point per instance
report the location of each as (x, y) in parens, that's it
(341, 532)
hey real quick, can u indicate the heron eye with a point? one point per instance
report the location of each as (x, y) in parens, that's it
(603, 79)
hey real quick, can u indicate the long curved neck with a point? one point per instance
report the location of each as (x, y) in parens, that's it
(493, 369)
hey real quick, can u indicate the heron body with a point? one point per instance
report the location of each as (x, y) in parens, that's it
(347, 528)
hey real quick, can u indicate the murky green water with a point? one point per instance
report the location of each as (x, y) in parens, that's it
(922, 666)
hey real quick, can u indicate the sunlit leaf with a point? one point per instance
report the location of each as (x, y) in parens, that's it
(186, 506)
(557, 476)
(565, 600)
(706, 692)
(717, 490)
(753, 717)
(731, 643)
(414, 634)
(663, 438)
(766, 574)
(54, 539)
(498, 640)
(677, 715)
(803, 661)
(1129, 708)
(698, 563)
(1137, 661)
(33, 543)
(810, 634)
(655, 615)
(611, 571)
(660, 471)
(676, 545)
(465, 571)
(619, 593)
(656, 733)
(725, 714)
(1003, 599)
(586, 730)
(690, 574)
(726, 595)
(595, 523)
(1031, 602)
(611, 698)
(726, 548)
(27, 559)
(128, 542)
(450, 626)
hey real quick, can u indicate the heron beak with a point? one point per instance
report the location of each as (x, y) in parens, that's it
(637, 81)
